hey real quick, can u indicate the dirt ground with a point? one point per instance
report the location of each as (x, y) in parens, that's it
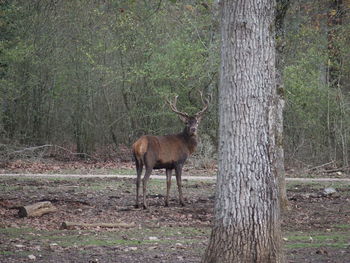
(315, 229)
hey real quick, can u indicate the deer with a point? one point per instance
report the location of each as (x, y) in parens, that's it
(168, 152)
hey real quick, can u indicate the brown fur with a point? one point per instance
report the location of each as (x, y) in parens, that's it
(163, 152)
(167, 152)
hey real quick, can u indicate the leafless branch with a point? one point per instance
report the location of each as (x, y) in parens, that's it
(34, 148)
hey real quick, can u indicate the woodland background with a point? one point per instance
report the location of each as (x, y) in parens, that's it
(91, 76)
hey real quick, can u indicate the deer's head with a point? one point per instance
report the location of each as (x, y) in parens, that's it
(192, 121)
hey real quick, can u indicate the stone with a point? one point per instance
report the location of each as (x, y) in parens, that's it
(329, 191)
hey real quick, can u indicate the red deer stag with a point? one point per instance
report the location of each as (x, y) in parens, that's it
(169, 152)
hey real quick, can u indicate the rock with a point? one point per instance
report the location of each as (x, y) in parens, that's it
(130, 249)
(54, 246)
(152, 248)
(180, 246)
(32, 257)
(19, 246)
(298, 197)
(328, 191)
(153, 238)
(38, 248)
(322, 251)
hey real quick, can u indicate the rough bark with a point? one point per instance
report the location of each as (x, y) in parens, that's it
(247, 217)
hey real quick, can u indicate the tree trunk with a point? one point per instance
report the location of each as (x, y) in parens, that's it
(281, 10)
(279, 164)
(247, 217)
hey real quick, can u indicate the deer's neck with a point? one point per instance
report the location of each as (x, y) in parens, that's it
(190, 141)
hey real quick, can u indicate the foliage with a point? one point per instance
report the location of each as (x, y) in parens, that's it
(316, 118)
(92, 74)
(96, 73)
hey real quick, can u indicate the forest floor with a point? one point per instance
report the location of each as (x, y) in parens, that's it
(315, 229)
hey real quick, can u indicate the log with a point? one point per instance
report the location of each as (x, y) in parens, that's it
(37, 209)
(70, 225)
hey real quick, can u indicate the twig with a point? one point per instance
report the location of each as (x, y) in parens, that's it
(319, 166)
(73, 153)
(337, 170)
(34, 148)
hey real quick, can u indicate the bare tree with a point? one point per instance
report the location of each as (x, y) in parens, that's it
(247, 216)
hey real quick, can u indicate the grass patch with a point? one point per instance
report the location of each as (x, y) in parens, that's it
(316, 240)
(99, 171)
(123, 172)
(132, 237)
(315, 245)
(93, 240)
(57, 185)
(126, 238)
(316, 185)
(9, 188)
(343, 226)
(7, 253)
(15, 232)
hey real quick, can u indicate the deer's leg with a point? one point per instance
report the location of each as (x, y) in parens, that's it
(168, 185)
(139, 166)
(178, 172)
(144, 184)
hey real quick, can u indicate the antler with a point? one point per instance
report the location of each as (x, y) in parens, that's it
(174, 109)
(205, 102)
